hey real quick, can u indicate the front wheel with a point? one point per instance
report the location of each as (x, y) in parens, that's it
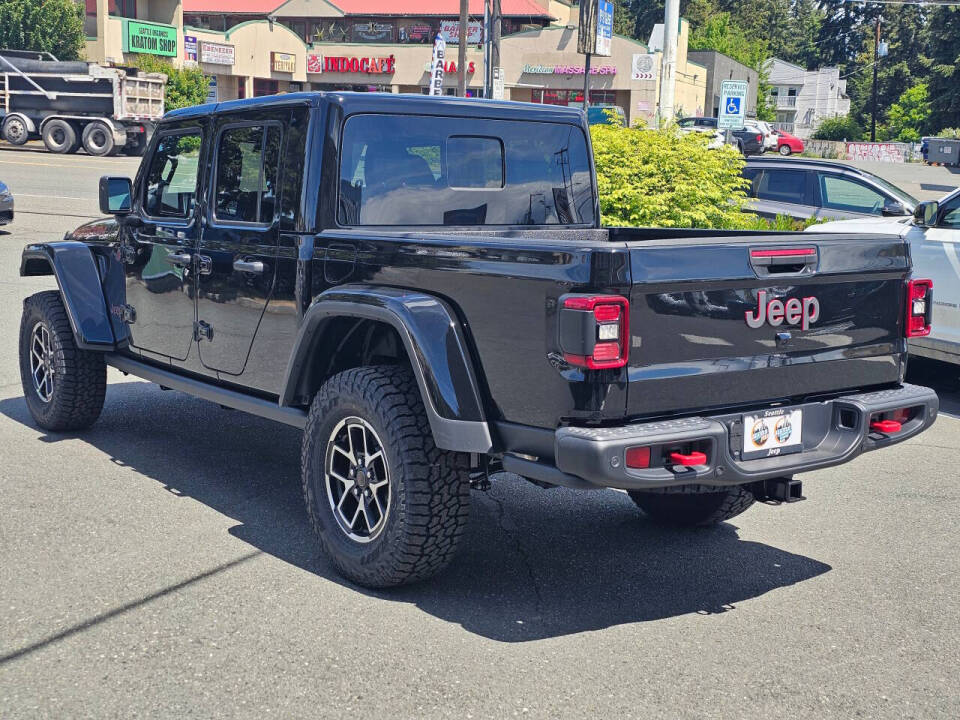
(785, 150)
(387, 505)
(15, 130)
(64, 386)
(694, 505)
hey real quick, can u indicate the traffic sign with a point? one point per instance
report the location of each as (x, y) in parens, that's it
(733, 105)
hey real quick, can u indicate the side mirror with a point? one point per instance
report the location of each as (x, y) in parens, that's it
(116, 195)
(892, 208)
(926, 213)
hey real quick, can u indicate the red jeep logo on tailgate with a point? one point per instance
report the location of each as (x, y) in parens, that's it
(793, 311)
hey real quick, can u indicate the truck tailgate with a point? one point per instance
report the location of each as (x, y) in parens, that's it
(720, 322)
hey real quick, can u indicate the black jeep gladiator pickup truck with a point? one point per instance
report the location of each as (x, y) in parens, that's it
(423, 286)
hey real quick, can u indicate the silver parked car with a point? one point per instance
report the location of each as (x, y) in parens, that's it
(6, 205)
(802, 189)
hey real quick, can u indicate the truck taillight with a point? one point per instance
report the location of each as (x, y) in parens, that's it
(594, 331)
(919, 308)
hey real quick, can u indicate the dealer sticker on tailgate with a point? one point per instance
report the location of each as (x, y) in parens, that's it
(772, 432)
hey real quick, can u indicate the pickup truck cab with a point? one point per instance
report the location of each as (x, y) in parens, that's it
(933, 234)
(424, 287)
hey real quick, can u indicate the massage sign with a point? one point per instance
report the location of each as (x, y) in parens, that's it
(149, 38)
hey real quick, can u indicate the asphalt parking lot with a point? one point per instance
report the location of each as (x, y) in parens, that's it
(161, 565)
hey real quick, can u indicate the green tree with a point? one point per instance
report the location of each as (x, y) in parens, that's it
(839, 128)
(907, 118)
(721, 33)
(185, 86)
(54, 26)
(943, 43)
(672, 179)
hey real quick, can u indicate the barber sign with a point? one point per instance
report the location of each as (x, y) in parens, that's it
(436, 67)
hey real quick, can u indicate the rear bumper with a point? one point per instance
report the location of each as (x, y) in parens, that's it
(834, 431)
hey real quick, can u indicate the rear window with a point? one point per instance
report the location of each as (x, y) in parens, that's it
(415, 170)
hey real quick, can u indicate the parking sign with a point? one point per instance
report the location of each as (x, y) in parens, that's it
(733, 105)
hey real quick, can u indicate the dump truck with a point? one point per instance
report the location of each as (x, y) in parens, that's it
(69, 104)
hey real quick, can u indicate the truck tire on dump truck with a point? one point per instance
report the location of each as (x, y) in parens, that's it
(76, 104)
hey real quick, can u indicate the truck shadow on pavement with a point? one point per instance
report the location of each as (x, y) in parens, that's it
(533, 564)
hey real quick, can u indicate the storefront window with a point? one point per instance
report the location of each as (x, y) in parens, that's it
(373, 31)
(90, 19)
(330, 31)
(573, 97)
(417, 30)
(263, 87)
(299, 27)
(121, 8)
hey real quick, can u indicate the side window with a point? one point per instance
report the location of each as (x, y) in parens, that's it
(248, 161)
(171, 187)
(753, 175)
(840, 193)
(475, 162)
(950, 215)
(788, 186)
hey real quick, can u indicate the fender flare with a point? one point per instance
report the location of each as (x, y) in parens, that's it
(31, 125)
(434, 343)
(78, 278)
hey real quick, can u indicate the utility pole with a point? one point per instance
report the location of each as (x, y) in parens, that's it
(496, 17)
(668, 68)
(462, 51)
(876, 63)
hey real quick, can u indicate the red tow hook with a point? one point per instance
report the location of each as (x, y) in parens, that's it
(887, 427)
(688, 459)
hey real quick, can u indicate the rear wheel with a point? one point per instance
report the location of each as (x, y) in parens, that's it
(63, 386)
(387, 505)
(785, 150)
(60, 137)
(98, 139)
(15, 130)
(694, 505)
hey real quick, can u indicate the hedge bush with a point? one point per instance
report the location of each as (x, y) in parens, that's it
(668, 179)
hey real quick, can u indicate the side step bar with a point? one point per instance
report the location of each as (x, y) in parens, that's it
(228, 398)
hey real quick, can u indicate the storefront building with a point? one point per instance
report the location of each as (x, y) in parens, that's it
(372, 45)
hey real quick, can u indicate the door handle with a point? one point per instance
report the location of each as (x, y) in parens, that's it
(248, 266)
(180, 259)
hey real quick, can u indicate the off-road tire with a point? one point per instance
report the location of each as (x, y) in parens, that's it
(60, 137)
(430, 487)
(694, 505)
(79, 378)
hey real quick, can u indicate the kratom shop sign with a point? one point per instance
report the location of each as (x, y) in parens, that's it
(149, 38)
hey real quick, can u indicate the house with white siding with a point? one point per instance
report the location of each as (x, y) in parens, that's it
(803, 98)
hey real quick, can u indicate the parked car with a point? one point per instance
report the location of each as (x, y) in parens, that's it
(6, 205)
(423, 286)
(601, 114)
(748, 141)
(801, 189)
(788, 144)
(769, 134)
(934, 236)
